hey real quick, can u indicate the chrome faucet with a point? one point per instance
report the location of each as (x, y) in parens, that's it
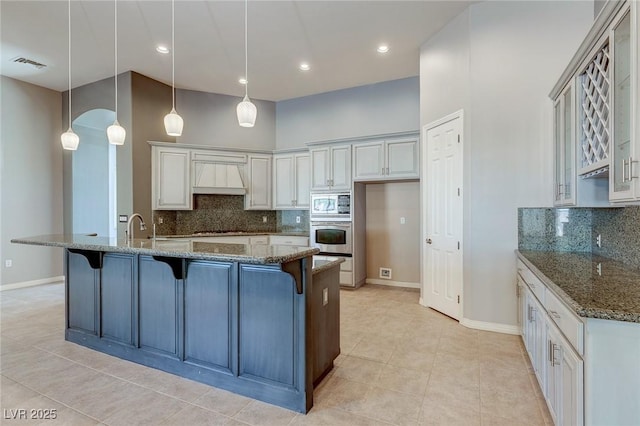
(129, 231)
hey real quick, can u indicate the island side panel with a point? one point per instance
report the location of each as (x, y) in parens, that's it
(119, 298)
(158, 295)
(210, 304)
(82, 286)
(268, 316)
(325, 322)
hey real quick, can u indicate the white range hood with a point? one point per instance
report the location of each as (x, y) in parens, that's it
(218, 178)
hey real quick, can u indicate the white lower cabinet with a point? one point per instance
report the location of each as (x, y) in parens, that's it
(564, 379)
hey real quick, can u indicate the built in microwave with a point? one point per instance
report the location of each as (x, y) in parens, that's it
(327, 206)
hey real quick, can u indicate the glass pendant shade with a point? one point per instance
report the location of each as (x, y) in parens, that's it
(173, 123)
(246, 113)
(116, 134)
(70, 140)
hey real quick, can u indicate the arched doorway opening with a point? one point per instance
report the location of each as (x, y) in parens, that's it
(94, 175)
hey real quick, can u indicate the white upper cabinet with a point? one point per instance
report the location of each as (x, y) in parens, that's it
(386, 160)
(624, 153)
(331, 168)
(564, 142)
(259, 183)
(605, 75)
(171, 186)
(291, 177)
(369, 161)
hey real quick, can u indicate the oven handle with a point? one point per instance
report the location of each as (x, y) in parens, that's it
(331, 224)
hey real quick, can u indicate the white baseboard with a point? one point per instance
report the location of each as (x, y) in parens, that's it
(32, 283)
(490, 326)
(392, 283)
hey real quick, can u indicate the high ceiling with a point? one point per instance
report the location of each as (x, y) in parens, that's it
(337, 38)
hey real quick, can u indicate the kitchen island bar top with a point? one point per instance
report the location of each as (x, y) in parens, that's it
(224, 252)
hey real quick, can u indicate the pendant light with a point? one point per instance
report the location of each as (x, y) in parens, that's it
(173, 123)
(116, 133)
(69, 139)
(246, 109)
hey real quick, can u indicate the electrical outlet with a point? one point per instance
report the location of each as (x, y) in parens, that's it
(402, 220)
(599, 240)
(385, 273)
(160, 221)
(264, 219)
(325, 296)
(297, 219)
(8, 263)
(599, 269)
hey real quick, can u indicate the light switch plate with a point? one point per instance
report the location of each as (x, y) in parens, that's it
(325, 296)
(123, 218)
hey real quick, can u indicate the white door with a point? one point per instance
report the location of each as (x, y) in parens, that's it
(442, 256)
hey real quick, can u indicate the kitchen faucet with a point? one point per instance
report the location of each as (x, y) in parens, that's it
(129, 231)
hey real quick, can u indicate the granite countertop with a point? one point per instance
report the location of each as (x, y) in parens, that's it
(235, 234)
(245, 253)
(574, 278)
(328, 265)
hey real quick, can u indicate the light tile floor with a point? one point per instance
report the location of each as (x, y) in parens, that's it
(401, 364)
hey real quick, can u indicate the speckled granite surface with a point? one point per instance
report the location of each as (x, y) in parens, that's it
(561, 229)
(328, 265)
(223, 213)
(573, 277)
(246, 253)
(620, 231)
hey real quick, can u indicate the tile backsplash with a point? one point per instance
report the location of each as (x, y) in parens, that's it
(576, 229)
(224, 213)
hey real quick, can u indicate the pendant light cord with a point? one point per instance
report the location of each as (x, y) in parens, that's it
(69, 64)
(246, 54)
(115, 8)
(173, 55)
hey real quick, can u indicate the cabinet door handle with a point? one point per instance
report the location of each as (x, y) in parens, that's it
(387, 171)
(624, 170)
(554, 348)
(549, 352)
(554, 314)
(382, 171)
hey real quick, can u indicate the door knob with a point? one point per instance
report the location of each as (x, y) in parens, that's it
(429, 241)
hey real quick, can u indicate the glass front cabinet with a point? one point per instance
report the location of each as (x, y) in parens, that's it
(596, 113)
(564, 143)
(624, 162)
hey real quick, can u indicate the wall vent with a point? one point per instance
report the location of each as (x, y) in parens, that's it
(36, 65)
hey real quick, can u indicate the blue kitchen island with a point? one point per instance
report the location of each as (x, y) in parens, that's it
(242, 317)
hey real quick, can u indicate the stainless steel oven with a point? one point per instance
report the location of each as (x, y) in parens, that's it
(332, 237)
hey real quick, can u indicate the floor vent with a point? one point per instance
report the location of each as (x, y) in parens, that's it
(26, 61)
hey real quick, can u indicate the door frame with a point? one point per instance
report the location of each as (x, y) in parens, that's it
(423, 208)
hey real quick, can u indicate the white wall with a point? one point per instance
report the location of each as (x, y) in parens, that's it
(375, 109)
(31, 175)
(516, 51)
(211, 119)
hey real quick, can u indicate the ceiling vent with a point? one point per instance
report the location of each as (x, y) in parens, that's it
(36, 65)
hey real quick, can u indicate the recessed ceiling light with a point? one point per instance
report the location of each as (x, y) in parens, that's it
(304, 66)
(383, 48)
(242, 80)
(162, 49)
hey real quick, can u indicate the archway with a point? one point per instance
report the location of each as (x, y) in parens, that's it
(94, 175)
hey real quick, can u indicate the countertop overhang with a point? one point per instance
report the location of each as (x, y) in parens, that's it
(225, 252)
(611, 294)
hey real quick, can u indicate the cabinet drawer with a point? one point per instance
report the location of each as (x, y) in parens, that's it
(289, 240)
(347, 265)
(568, 322)
(262, 239)
(532, 281)
(346, 278)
